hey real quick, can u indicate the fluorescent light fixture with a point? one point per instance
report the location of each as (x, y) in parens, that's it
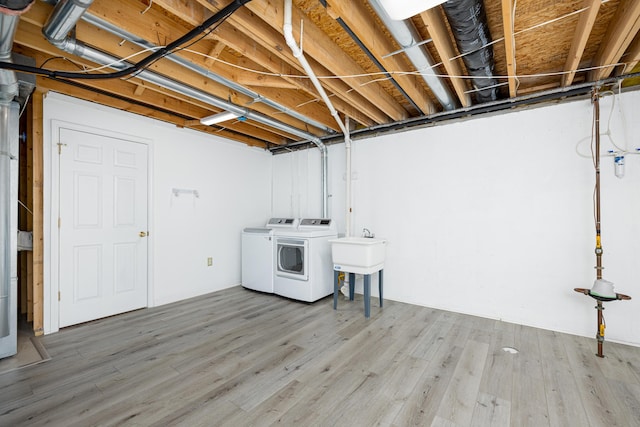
(218, 118)
(403, 9)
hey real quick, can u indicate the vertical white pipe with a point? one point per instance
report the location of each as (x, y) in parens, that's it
(348, 207)
(287, 29)
(9, 116)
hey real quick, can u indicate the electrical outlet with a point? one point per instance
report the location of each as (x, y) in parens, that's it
(209, 262)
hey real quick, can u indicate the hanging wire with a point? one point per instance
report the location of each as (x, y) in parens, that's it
(382, 75)
(142, 12)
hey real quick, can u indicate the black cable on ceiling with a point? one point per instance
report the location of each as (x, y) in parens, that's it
(217, 18)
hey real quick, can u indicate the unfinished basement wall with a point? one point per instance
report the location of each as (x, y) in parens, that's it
(493, 216)
(233, 182)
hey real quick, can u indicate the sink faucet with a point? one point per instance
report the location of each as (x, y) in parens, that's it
(367, 233)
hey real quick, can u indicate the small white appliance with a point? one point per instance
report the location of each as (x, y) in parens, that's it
(304, 270)
(258, 253)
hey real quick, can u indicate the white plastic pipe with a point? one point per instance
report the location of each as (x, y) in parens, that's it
(348, 207)
(287, 29)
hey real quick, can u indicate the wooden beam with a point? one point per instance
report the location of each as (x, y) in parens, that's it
(118, 94)
(320, 47)
(269, 57)
(357, 17)
(539, 88)
(580, 38)
(263, 80)
(278, 59)
(29, 35)
(244, 133)
(621, 31)
(434, 20)
(214, 53)
(510, 54)
(38, 212)
(632, 57)
(154, 96)
(139, 90)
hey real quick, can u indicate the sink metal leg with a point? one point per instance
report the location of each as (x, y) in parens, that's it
(367, 295)
(380, 285)
(352, 286)
(336, 273)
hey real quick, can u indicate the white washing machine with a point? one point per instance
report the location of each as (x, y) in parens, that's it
(258, 251)
(303, 266)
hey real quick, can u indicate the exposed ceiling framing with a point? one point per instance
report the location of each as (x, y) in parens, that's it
(538, 45)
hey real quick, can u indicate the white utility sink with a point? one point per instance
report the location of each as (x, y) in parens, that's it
(360, 255)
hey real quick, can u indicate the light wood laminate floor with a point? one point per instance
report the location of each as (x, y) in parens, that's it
(237, 358)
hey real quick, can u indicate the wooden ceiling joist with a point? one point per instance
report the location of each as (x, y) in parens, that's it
(632, 57)
(249, 51)
(320, 47)
(434, 21)
(265, 49)
(580, 38)
(359, 21)
(620, 33)
(263, 80)
(105, 99)
(102, 9)
(30, 36)
(214, 53)
(509, 45)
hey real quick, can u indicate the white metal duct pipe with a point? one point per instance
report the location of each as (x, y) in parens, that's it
(78, 48)
(125, 35)
(64, 17)
(8, 81)
(9, 116)
(9, 112)
(407, 37)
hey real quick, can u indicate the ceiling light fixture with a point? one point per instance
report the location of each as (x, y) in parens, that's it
(218, 118)
(400, 10)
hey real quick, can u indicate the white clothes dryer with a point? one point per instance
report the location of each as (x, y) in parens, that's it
(303, 266)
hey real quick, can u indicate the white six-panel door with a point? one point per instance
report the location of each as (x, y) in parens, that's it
(102, 226)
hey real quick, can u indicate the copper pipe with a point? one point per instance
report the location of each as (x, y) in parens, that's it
(596, 105)
(599, 307)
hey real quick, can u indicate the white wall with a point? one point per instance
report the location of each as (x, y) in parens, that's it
(233, 181)
(493, 216)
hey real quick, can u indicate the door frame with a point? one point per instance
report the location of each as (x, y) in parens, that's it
(51, 208)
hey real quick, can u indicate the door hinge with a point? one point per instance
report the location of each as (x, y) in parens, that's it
(59, 295)
(60, 144)
(59, 222)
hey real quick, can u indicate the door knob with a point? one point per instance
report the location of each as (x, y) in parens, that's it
(142, 234)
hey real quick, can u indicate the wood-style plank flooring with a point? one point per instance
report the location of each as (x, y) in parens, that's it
(240, 358)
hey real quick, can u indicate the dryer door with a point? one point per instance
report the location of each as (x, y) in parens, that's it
(291, 258)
